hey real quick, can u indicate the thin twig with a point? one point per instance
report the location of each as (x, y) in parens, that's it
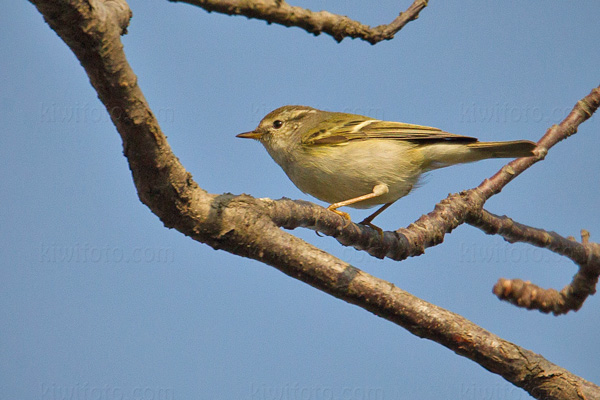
(528, 295)
(338, 26)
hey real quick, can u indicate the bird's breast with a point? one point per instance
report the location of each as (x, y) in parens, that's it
(334, 173)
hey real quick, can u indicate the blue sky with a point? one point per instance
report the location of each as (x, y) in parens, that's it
(99, 300)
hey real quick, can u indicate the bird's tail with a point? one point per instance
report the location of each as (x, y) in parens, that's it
(514, 149)
(445, 154)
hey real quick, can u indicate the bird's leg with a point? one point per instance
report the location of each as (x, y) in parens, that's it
(378, 190)
(367, 221)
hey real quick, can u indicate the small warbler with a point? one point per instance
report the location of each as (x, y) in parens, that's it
(356, 161)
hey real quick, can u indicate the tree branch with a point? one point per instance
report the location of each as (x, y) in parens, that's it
(338, 26)
(242, 224)
(430, 229)
(527, 295)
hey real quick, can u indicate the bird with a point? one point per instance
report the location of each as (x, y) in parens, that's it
(356, 161)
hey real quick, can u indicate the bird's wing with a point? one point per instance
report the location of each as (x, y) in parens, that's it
(345, 130)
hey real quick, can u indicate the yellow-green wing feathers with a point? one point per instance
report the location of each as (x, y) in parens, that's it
(343, 129)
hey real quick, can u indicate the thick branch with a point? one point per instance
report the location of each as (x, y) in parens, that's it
(241, 224)
(338, 26)
(427, 231)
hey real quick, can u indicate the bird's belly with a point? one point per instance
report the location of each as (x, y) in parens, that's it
(343, 172)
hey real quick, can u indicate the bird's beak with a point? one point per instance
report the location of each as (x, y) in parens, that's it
(250, 135)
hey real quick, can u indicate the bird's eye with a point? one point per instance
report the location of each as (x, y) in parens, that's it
(277, 124)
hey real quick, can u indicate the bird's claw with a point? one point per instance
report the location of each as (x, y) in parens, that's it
(367, 222)
(343, 214)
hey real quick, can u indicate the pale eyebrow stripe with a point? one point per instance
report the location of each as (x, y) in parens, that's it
(298, 113)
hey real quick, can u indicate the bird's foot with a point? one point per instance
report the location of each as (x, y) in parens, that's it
(367, 222)
(343, 214)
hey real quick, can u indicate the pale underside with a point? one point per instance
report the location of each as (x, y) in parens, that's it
(347, 173)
